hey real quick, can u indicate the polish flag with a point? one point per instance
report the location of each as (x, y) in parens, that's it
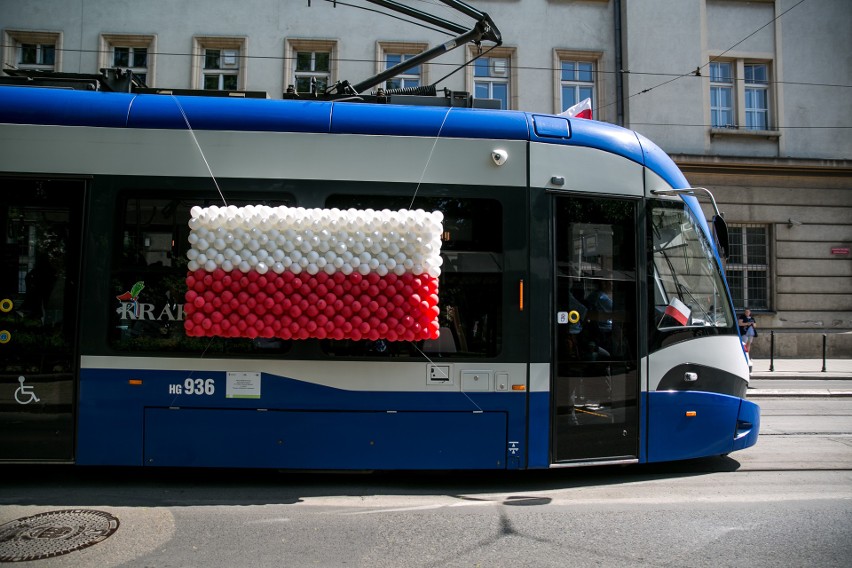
(583, 109)
(678, 311)
(296, 273)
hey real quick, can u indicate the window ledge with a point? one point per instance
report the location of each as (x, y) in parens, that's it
(736, 131)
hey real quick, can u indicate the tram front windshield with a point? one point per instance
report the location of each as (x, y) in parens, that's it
(689, 290)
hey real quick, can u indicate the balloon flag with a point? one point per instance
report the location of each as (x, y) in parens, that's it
(296, 273)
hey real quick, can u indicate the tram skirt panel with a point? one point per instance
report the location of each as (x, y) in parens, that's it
(325, 440)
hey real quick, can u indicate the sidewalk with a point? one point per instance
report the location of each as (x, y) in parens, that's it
(835, 381)
(801, 369)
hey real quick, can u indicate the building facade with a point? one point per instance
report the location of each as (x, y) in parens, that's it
(751, 98)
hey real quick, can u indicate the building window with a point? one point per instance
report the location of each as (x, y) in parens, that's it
(36, 55)
(491, 79)
(32, 50)
(721, 95)
(756, 96)
(310, 61)
(392, 54)
(134, 52)
(739, 95)
(219, 64)
(491, 76)
(312, 71)
(577, 83)
(748, 266)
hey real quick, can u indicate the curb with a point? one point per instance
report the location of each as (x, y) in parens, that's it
(798, 393)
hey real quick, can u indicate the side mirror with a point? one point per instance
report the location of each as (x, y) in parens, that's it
(720, 230)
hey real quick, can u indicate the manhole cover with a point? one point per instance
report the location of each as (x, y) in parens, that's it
(53, 534)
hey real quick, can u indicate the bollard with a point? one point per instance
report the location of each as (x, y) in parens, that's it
(772, 350)
(823, 352)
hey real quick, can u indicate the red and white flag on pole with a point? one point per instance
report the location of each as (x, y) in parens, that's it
(583, 109)
(678, 311)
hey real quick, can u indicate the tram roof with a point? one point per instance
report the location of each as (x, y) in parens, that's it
(62, 107)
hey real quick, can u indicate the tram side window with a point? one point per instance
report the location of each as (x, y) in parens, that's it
(148, 281)
(470, 285)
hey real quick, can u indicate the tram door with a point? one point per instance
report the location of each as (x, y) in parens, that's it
(595, 371)
(39, 272)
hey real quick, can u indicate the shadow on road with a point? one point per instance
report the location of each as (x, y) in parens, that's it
(145, 487)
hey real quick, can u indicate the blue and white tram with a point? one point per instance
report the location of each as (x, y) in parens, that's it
(584, 318)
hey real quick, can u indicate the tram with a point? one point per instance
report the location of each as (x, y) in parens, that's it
(582, 311)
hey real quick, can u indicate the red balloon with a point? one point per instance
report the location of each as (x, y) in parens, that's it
(190, 296)
(253, 275)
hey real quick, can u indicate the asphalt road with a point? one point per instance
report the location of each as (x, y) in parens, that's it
(785, 502)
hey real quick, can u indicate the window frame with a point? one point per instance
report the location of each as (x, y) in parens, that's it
(295, 45)
(511, 81)
(745, 268)
(110, 42)
(199, 56)
(13, 40)
(406, 50)
(740, 88)
(564, 55)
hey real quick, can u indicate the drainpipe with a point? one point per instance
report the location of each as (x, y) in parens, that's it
(619, 79)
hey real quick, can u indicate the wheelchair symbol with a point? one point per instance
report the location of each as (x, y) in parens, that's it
(25, 394)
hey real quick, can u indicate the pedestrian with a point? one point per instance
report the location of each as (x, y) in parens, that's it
(748, 328)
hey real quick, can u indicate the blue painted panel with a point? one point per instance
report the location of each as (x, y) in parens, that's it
(111, 411)
(401, 120)
(539, 430)
(215, 113)
(672, 435)
(30, 105)
(325, 440)
(656, 160)
(601, 135)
